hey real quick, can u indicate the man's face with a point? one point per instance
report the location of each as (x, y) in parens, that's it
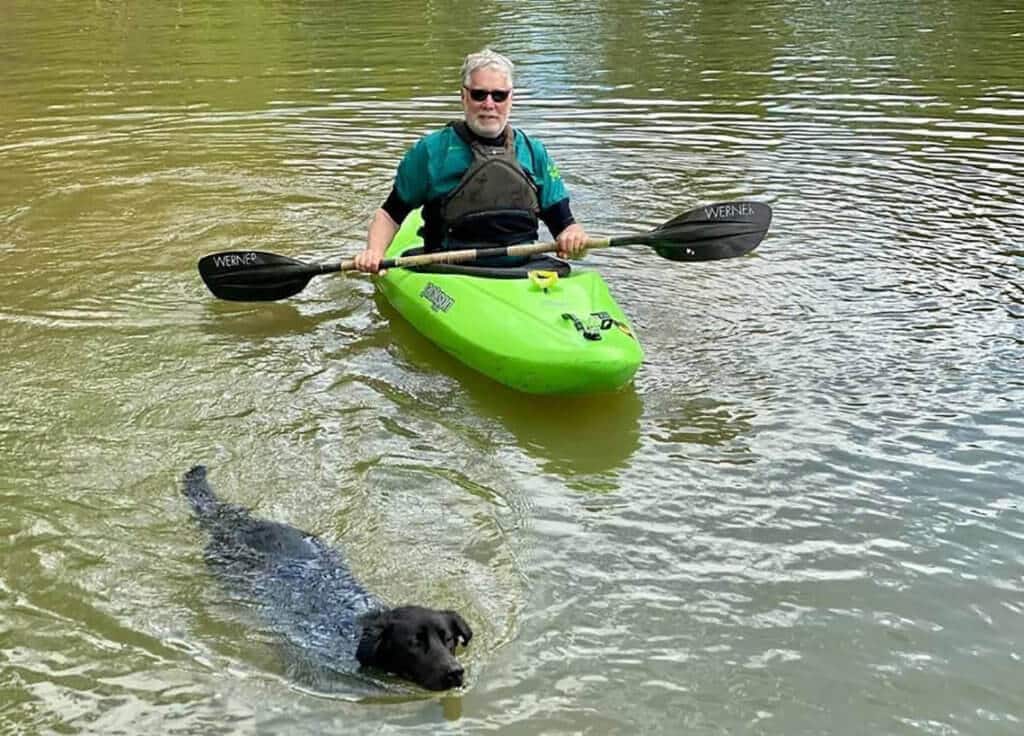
(486, 117)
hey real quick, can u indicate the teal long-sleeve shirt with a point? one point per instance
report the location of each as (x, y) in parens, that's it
(434, 166)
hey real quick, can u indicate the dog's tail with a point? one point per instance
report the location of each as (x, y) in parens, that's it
(198, 491)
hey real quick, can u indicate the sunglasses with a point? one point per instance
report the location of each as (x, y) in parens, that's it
(479, 95)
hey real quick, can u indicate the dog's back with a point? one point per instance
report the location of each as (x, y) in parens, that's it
(303, 588)
(306, 594)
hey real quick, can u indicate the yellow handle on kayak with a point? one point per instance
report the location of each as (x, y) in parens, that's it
(543, 279)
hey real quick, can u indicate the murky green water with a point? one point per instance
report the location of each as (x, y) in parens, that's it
(805, 517)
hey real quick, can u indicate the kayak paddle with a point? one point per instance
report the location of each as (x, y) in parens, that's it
(709, 233)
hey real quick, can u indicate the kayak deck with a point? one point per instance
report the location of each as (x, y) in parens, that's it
(541, 334)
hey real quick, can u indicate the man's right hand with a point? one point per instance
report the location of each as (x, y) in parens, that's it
(368, 261)
(378, 238)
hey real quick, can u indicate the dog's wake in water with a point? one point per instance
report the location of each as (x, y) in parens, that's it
(307, 595)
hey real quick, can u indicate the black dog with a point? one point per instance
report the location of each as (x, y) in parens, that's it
(307, 594)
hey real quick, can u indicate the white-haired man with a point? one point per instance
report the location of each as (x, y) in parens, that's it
(478, 180)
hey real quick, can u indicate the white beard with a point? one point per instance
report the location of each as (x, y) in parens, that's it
(483, 132)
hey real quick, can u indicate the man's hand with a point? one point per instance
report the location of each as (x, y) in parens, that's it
(368, 261)
(572, 241)
(378, 238)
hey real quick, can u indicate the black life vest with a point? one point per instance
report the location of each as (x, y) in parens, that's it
(495, 201)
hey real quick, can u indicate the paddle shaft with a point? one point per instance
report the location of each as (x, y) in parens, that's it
(461, 256)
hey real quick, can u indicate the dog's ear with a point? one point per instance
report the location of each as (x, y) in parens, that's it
(459, 628)
(375, 631)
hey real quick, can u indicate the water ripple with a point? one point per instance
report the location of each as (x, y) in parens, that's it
(809, 502)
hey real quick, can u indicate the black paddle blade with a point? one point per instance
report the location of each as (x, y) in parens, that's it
(254, 276)
(712, 232)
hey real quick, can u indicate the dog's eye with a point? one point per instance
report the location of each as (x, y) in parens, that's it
(448, 638)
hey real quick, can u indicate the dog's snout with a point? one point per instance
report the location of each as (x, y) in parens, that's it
(453, 677)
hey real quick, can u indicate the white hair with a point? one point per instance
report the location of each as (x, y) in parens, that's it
(486, 59)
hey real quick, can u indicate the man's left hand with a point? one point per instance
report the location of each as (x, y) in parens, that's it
(572, 241)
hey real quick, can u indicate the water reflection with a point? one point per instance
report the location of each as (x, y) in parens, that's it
(700, 421)
(569, 435)
(257, 320)
(822, 450)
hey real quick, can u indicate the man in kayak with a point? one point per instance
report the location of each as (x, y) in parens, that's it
(477, 179)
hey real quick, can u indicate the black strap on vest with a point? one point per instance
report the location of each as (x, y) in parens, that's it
(468, 137)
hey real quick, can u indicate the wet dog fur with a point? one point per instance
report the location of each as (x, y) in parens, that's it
(307, 594)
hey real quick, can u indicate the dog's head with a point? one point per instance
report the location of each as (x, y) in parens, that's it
(415, 643)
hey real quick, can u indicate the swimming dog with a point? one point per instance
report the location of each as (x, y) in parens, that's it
(307, 594)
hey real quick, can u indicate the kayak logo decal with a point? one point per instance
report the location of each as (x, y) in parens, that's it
(439, 301)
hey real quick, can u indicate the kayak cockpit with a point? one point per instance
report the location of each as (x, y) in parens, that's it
(488, 269)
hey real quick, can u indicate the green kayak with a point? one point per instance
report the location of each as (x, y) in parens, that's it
(531, 328)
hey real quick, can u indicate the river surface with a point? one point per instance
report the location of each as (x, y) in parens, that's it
(806, 514)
